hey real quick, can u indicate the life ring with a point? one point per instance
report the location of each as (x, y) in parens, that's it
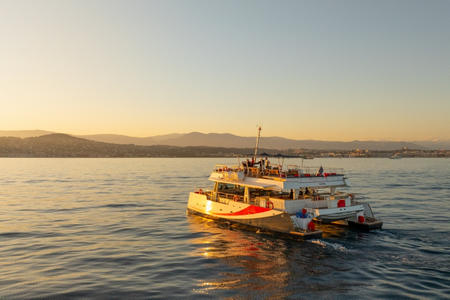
(269, 204)
(236, 198)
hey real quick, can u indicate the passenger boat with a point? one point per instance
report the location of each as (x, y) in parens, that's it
(288, 200)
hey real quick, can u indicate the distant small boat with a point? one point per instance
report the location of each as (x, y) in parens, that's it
(396, 156)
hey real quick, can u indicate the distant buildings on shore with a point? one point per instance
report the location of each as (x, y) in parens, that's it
(402, 153)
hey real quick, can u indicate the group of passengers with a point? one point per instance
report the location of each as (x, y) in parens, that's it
(263, 164)
(303, 193)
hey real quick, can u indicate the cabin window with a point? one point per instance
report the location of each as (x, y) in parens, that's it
(230, 189)
(264, 193)
(226, 187)
(258, 193)
(239, 189)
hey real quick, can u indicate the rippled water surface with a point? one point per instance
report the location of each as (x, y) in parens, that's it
(117, 228)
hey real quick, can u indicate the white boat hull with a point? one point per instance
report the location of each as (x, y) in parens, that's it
(243, 213)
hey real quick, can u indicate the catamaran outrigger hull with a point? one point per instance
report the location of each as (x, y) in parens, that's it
(246, 214)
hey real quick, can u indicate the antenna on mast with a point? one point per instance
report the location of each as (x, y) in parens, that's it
(257, 143)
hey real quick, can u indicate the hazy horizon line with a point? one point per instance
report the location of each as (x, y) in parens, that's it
(245, 136)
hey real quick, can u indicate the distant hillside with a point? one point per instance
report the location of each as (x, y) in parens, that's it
(63, 145)
(229, 140)
(439, 144)
(233, 141)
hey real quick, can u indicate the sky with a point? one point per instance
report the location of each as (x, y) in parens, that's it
(324, 70)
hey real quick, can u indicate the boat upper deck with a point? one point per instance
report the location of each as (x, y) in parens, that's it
(278, 178)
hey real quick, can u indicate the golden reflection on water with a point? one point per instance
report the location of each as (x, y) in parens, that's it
(260, 263)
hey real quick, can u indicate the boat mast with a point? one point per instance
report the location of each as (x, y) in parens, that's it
(257, 143)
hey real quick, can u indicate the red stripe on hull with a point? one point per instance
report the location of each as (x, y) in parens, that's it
(250, 210)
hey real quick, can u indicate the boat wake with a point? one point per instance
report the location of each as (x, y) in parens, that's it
(325, 244)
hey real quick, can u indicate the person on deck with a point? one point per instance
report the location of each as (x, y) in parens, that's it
(245, 165)
(300, 194)
(320, 172)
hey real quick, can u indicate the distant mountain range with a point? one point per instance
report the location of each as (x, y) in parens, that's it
(233, 141)
(63, 145)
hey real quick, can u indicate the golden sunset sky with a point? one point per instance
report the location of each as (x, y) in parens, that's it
(327, 70)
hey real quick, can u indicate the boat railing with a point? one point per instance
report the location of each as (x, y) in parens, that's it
(368, 210)
(230, 196)
(225, 168)
(314, 171)
(225, 197)
(299, 172)
(277, 171)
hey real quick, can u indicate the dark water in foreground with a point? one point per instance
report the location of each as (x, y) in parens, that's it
(117, 228)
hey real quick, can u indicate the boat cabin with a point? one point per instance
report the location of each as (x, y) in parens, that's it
(274, 187)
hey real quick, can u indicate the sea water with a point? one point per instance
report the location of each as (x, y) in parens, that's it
(117, 228)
